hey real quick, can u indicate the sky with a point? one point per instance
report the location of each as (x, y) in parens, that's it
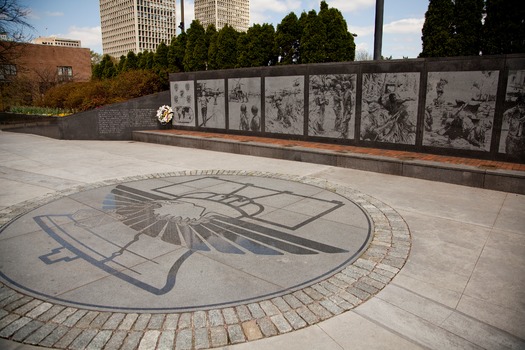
(403, 20)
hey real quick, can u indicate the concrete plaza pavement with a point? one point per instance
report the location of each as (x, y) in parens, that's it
(462, 287)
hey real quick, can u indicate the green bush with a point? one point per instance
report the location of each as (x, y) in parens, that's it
(135, 83)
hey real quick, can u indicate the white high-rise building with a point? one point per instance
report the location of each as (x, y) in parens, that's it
(236, 13)
(136, 25)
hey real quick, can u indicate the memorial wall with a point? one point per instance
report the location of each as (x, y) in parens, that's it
(116, 121)
(468, 106)
(471, 106)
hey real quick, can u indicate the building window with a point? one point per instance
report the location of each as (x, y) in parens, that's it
(7, 71)
(65, 73)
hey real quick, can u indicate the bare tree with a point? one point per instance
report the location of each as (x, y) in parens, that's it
(363, 55)
(13, 19)
(12, 24)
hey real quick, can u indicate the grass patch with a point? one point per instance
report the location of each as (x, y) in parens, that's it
(31, 110)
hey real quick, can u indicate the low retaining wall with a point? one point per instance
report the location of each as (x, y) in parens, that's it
(492, 179)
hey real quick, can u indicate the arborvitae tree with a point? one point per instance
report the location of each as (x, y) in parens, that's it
(96, 71)
(146, 60)
(340, 46)
(266, 44)
(107, 67)
(504, 28)
(121, 64)
(132, 61)
(438, 30)
(160, 58)
(160, 64)
(468, 26)
(211, 40)
(196, 51)
(176, 53)
(210, 33)
(212, 52)
(227, 47)
(243, 51)
(287, 37)
(143, 59)
(313, 40)
(256, 47)
(172, 66)
(103, 68)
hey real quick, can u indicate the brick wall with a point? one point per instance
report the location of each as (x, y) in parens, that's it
(40, 62)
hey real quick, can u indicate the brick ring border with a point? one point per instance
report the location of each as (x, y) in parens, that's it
(37, 322)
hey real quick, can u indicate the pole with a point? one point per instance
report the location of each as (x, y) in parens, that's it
(182, 15)
(378, 35)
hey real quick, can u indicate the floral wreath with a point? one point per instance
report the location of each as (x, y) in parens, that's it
(164, 114)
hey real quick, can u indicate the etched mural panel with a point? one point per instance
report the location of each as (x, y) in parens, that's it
(211, 103)
(285, 105)
(182, 102)
(389, 107)
(332, 105)
(512, 141)
(459, 110)
(244, 99)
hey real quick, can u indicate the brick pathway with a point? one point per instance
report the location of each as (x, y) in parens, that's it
(402, 155)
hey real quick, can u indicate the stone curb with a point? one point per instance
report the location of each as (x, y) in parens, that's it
(37, 322)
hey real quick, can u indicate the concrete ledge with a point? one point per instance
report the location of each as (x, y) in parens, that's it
(498, 180)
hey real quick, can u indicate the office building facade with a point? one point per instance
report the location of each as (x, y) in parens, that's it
(236, 13)
(54, 41)
(136, 25)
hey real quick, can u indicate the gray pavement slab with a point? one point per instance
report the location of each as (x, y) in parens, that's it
(461, 286)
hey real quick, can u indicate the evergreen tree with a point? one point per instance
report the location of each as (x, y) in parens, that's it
(131, 61)
(143, 59)
(504, 28)
(468, 27)
(160, 64)
(160, 57)
(266, 44)
(196, 53)
(438, 30)
(227, 47)
(176, 53)
(107, 69)
(148, 59)
(243, 48)
(211, 31)
(96, 71)
(287, 38)
(172, 67)
(313, 40)
(211, 40)
(340, 46)
(256, 47)
(121, 64)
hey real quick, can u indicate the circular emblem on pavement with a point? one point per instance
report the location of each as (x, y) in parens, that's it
(212, 257)
(182, 243)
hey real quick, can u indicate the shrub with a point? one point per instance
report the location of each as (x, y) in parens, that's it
(135, 83)
(96, 93)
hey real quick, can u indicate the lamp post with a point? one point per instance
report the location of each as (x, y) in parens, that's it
(181, 26)
(378, 34)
